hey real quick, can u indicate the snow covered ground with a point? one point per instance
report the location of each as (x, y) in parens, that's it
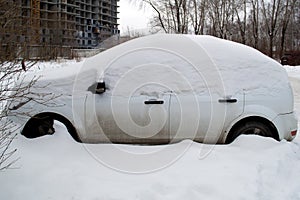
(56, 167)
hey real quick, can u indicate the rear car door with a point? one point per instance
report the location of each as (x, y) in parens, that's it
(203, 117)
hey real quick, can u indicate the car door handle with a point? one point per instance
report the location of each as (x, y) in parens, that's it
(227, 100)
(154, 102)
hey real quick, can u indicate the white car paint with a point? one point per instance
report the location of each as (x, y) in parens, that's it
(201, 87)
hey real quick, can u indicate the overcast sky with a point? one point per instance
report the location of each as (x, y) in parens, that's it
(132, 16)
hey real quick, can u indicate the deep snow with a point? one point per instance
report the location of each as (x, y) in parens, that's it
(56, 167)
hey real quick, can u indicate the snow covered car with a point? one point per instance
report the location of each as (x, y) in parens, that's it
(166, 88)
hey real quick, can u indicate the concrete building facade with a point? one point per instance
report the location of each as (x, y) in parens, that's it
(75, 23)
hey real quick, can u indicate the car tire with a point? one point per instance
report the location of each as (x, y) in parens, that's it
(250, 128)
(45, 127)
(39, 126)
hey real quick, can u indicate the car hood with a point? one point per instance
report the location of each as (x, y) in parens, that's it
(60, 80)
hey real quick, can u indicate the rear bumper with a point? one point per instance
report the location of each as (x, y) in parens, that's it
(286, 125)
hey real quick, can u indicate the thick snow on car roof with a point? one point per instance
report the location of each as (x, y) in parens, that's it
(183, 63)
(179, 63)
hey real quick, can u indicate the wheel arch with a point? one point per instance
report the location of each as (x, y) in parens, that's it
(252, 118)
(54, 116)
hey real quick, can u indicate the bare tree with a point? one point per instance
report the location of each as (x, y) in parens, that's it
(285, 21)
(270, 15)
(221, 15)
(171, 15)
(271, 26)
(293, 29)
(254, 22)
(240, 9)
(10, 73)
(198, 14)
(10, 70)
(161, 19)
(14, 90)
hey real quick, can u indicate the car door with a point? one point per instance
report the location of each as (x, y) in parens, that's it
(138, 118)
(202, 117)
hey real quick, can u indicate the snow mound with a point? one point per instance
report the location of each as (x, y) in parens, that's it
(293, 71)
(59, 168)
(254, 142)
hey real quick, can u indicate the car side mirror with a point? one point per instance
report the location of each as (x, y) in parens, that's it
(100, 88)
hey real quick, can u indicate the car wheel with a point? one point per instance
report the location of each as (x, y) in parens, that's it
(39, 126)
(250, 128)
(45, 127)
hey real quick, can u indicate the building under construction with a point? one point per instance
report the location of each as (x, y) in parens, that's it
(75, 23)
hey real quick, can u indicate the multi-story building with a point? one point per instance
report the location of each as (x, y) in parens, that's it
(95, 21)
(76, 23)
